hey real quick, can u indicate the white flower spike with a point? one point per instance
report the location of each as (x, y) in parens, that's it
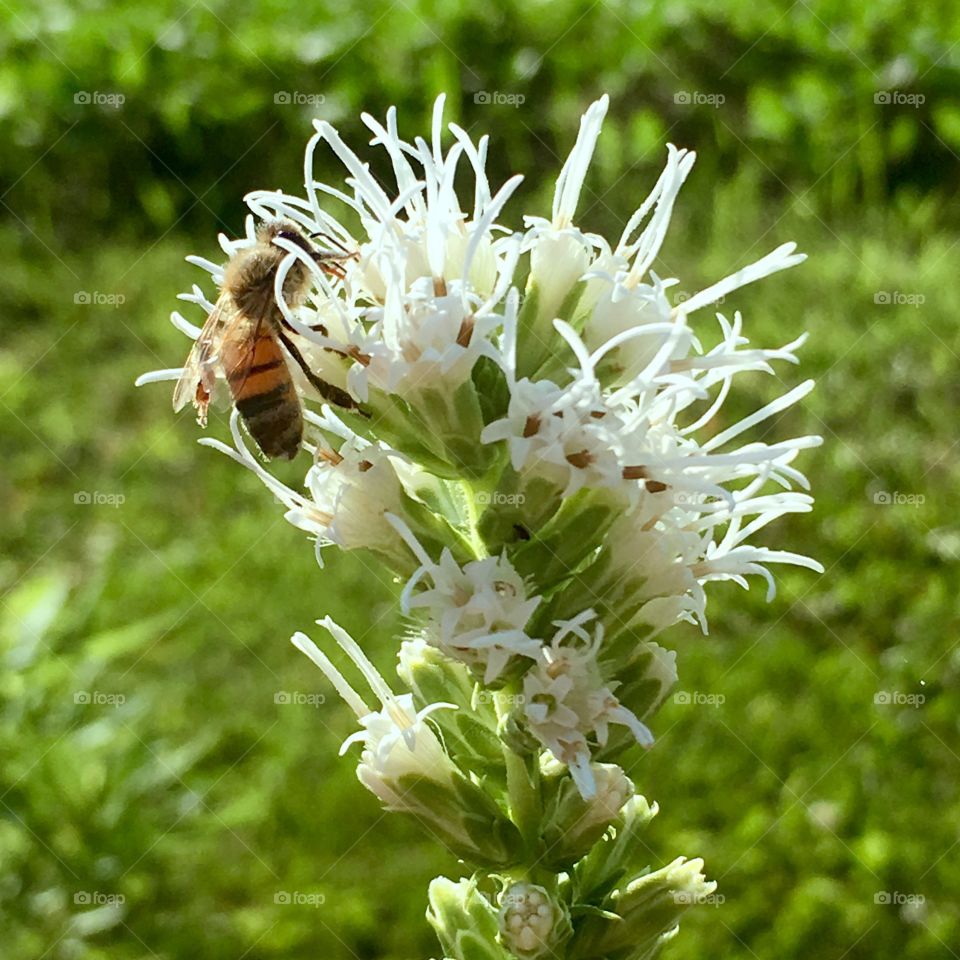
(534, 446)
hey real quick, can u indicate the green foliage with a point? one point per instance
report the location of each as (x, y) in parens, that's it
(185, 783)
(218, 96)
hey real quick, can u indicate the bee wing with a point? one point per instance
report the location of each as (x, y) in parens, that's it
(199, 375)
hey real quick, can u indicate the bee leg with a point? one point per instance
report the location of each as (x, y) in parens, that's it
(319, 328)
(326, 390)
(331, 267)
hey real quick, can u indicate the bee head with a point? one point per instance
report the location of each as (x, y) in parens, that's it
(271, 230)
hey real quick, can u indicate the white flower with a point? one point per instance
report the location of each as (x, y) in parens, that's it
(614, 789)
(476, 613)
(560, 253)
(350, 491)
(568, 706)
(559, 434)
(639, 438)
(422, 294)
(397, 740)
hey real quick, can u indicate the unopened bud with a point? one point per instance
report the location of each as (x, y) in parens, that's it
(531, 922)
(612, 856)
(558, 261)
(647, 682)
(573, 825)
(571, 535)
(470, 733)
(458, 813)
(646, 910)
(464, 920)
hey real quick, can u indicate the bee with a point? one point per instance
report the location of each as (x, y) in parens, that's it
(245, 339)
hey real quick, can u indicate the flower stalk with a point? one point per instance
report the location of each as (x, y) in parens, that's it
(546, 482)
(522, 783)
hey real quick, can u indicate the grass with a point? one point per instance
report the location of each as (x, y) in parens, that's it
(198, 798)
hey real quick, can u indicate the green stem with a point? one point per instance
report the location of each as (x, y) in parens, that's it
(523, 787)
(473, 519)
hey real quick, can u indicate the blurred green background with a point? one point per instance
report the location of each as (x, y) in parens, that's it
(155, 799)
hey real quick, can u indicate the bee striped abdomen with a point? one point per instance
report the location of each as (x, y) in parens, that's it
(264, 394)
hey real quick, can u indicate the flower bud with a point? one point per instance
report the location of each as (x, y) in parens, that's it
(459, 813)
(573, 825)
(646, 911)
(620, 308)
(520, 505)
(639, 584)
(468, 732)
(452, 419)
(404, 762)
(557, 262)
(532, 923)
(561, 546)
(514, 731)
(647, 682)
(464, 920)
(610, 859)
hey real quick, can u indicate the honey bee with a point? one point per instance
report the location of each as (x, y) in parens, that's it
(244, 339)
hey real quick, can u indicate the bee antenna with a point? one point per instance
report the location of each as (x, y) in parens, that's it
(331, 240)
